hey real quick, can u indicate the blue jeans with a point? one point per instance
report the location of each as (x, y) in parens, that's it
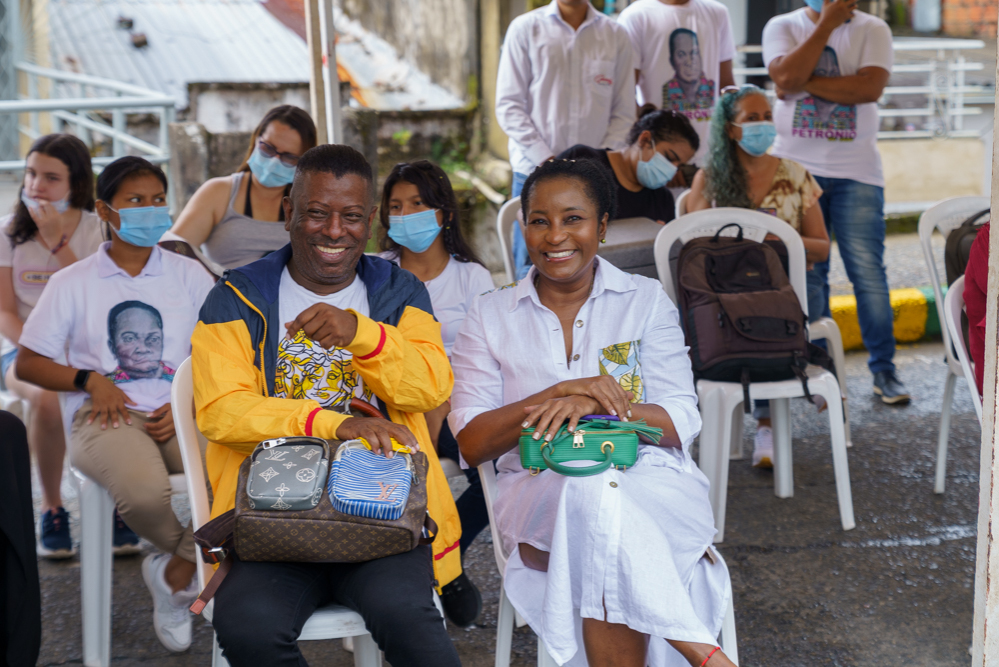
(521, 260)
(854, 213)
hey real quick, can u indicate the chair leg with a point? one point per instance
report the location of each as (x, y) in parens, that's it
(504, 630)
(780, 409)
(96, 557)
(218, 660)
(366, 653)
(945, 409)
(729, 641)
(713, 458)
(544, 659)
(735, 434)
(840, 466)
(835, 341)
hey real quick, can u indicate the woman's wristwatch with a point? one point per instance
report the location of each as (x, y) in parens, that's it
(80, 381)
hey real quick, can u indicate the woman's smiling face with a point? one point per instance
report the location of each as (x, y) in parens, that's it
(564, 228)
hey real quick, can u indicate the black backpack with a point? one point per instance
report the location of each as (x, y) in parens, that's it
(742, 319)
(958, 246)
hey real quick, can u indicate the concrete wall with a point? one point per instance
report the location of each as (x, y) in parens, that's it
(924, 170)
(438, 36)
(238, 108)
(970, 17)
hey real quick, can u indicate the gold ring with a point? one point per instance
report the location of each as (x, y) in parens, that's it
(604, 444)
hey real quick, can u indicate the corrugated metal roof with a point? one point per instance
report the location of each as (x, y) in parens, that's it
(225, 41)
(211, 41)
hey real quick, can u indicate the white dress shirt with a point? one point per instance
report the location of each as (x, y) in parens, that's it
(558, 87)
(623, 542)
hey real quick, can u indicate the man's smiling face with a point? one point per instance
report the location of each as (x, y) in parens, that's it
(329, 219)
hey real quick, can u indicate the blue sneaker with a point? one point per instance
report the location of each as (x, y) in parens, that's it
(126, 542)
(55, 542)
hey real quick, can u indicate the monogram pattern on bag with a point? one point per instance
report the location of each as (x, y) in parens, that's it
(294, 481)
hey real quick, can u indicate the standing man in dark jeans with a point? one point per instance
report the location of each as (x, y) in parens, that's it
(282, 345)
(831, 63)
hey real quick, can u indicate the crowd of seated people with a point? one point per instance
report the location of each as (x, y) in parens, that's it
(93, 308)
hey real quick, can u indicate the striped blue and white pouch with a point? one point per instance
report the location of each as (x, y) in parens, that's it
(363, 483)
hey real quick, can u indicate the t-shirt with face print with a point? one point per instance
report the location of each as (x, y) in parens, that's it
(829, 139)
(679, 49)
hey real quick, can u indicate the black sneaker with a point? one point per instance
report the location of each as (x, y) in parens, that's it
(888, 387)
(462, 601)
(54, 541)
(126, 542)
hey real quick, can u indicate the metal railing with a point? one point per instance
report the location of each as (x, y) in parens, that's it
(83, 103)
(946, 90)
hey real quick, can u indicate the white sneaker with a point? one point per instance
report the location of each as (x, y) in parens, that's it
(763, 448)
(171, 615)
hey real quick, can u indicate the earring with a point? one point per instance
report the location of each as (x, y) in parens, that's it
(603, 240)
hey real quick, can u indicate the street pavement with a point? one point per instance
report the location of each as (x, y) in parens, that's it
(896, 590)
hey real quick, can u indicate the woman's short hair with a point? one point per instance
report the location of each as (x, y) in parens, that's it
(76, 156)
(597, 180)
(664, 125)
(121, 169)
(726, 182)
(436, 192)
(295, 118)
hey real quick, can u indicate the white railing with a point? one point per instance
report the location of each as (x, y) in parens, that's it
(83, 102)
(945, 89)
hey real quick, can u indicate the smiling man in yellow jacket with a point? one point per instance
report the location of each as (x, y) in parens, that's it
(282, 345)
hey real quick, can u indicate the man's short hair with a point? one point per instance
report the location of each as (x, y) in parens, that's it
(336, 159)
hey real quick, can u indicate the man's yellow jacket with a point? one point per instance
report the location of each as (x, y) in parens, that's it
(397, 351)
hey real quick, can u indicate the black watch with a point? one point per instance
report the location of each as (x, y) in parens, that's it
(80, 381)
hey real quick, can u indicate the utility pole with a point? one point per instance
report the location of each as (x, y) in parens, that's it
(324, 84)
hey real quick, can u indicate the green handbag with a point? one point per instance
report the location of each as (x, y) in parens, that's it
(610, 443)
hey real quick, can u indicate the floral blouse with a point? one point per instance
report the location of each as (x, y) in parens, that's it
(793, 191)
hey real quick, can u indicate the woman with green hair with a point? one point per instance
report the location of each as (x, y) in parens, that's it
(740, 173)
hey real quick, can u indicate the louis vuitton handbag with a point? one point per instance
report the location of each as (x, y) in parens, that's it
(598, 438)
(297, 503)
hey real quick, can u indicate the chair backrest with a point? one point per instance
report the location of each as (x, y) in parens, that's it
(182, 405)
(505, 220)
(681, 203)
(945, 216)
(487, 475)
(755, 226)
(954, 306)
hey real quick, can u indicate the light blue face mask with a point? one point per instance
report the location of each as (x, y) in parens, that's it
(757, 137)
(415, 231)
(815, 4)
(143, 226)
(270, 171)
(657, 172)
(61, 206)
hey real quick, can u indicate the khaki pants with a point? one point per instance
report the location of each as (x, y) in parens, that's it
(134, 469)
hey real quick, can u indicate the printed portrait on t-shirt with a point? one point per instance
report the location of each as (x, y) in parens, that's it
(690, 90)
(307, 370)
(815, 117)
(135, 338)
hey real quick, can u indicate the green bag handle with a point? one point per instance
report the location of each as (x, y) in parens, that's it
(573, 471)
(639, 427)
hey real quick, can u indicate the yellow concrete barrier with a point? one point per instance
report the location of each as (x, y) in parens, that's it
(909, 312)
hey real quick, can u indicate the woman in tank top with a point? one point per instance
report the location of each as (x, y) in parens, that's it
(238, 219)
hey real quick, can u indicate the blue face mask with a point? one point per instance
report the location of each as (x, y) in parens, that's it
(657, 172)
(61, 206)
(815, 4)
(757, 137)
(143, 226)
(270, 171)
(415, 231)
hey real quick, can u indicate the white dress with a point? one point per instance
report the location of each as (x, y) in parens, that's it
(637, 543)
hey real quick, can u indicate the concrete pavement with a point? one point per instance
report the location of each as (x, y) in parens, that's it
(896, 590)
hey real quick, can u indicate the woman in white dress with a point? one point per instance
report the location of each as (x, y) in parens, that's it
(621, 562)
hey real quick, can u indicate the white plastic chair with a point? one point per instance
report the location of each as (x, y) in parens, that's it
(953, 307)
(505, 221)
(681, 203)
(721, 402)
(945, 216)
(508, 616)
(330, 622)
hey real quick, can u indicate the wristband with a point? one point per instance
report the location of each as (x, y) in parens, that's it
(713, 651)
(62, 244)
(80, 381)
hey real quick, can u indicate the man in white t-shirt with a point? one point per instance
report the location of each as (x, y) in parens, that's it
(564, 79)
(684, 50)
(830, 64)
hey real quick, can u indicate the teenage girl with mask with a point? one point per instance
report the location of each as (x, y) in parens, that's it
(238, 219)
(740, 173)
(122, 319)
(420, 232)
(658, 143)
(53, 225)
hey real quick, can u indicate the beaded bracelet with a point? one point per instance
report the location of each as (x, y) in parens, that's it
(62, 244)
(713, 651)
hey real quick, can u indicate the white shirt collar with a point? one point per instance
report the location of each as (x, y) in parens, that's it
(591, 15)
(106, 266)
(608, 278)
